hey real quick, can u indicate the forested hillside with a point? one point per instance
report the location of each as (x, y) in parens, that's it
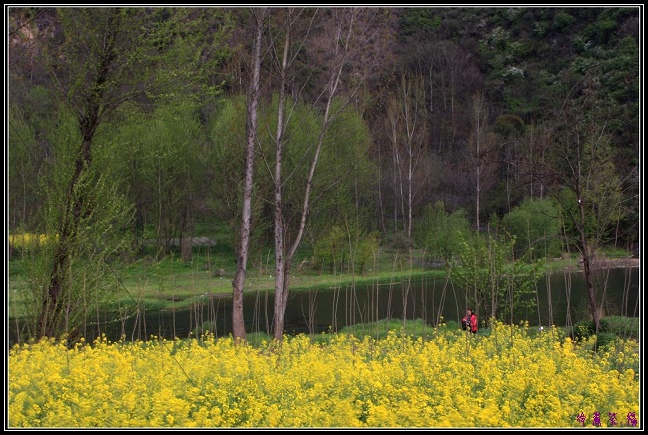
(524, 66)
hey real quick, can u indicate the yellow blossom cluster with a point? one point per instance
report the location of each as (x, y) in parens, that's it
(27, 241)
(454, 379)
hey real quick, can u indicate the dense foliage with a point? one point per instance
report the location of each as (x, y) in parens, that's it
(133, 121)
(527, 61)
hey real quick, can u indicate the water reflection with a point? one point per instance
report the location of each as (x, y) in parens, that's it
(561, 299)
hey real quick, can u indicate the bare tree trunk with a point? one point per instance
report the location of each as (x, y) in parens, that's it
(397, 171)
(587, 271)
(342, 44)
(339, 29)
(408, 126)
(280, 250)
(186, 236)
(238, 323)
(480, 115)
(381, 209)
(416, 130)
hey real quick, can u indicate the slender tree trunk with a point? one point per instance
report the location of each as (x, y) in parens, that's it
(481, 147)
(395, 189)
(280, 309)
(410, 198)
(381, 209)
(398, 173)
(478, 113)
(587, 271)
(238, 323)
(281, 292)
(280, 250)
(186, 238)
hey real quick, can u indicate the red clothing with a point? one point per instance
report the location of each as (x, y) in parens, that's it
(473, 322)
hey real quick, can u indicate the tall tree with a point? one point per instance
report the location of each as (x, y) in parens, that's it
(165, 169)
(478, 137)
(341, 33)
(280, 250)
(98, 59)
(408, 124)
(581, 175)
(238, 322)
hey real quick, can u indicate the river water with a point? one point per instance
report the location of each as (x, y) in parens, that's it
(560, 299)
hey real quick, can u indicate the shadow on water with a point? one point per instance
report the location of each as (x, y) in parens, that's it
(561, 299)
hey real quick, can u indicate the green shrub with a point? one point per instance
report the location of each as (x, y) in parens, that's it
(535, 225)
(257, 338)
(205, 327)
(398, 242)
(380, 329)
(583, 330)
(609, 328)
(605, 339)
(621, 326)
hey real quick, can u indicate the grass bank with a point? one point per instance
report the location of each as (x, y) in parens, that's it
(172, 283)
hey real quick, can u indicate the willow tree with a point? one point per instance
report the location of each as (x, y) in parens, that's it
(98, 59)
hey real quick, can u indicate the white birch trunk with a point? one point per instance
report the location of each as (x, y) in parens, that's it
(238, 323)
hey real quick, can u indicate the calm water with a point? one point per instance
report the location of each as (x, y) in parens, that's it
(561, 299)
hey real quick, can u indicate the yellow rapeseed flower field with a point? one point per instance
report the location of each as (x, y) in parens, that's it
(27, 241)
(506, 379)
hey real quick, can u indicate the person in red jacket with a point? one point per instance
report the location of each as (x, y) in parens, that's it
(469, 321)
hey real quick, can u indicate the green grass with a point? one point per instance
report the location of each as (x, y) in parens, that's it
(616, 326)
(413, 329)
(171, 283)
(380, 329)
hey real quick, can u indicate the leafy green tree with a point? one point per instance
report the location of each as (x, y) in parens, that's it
(166, 169)
(438, 231)
(367, 246)
(535, 224)
(347, 247)
(345, 186)
(98, 242)
(331, 249)
(582, 176)
(493, 276)
(98, 59)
